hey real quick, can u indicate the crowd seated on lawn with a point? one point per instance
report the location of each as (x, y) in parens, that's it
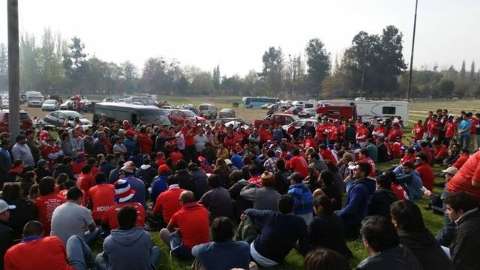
(224, 197)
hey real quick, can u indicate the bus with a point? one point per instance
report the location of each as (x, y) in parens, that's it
(257, 102)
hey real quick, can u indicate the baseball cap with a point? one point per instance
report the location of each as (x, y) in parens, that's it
(4, 206)
(450, 170)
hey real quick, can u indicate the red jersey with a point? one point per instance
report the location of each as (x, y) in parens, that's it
(102, 197)
(45, 253)
(418, 132)
(77, 166)
(432, 128)
(474, 126)
(440, 152)
(45, 206)
(408, 158)
(145, 143)
(450, 130)
(462, 180)
(426, 173)
(192, 221)
(176, 156)
(85, 182)
(328, 156)
(265, 134)
(460, 161)
(112, 220)
(188, 135)
(298, 164)
(362, 133)
(168, 203)
(395, 134)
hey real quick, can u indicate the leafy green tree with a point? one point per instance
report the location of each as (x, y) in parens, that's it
(446, 88)
(29, 66)
(216, 79)
(463, 71)
(472, 72)
(272, 72)
(76, 65)
(318, 61)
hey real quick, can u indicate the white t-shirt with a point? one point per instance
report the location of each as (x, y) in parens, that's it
(200, 141)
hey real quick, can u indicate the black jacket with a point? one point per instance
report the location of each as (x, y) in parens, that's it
(427, 250)
(380, 202)
(185, 180)
(466, 244)
(25, 210)
(397, 258)
(6, 240)
(200, 181)
(326, 231)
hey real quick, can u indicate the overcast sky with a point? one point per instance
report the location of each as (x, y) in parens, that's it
(234, 34)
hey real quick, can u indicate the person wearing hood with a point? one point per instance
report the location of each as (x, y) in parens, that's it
(359, 192)
(199, 179)
(383, 196)
(412, 233)
(129, 247)
(302, 197)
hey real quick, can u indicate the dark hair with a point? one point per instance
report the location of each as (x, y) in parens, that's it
(61, 179)
(285, 204)
(364, 152)
(181, 165)
(86, 169)
(270, 153)
(379, 233)
(33, 228)
(365, 168)
(280, 164)
(222, 229)
(214, 181)
(386, 179)
(296, 152)
(461, 201)
(46, 185)
(325, 202)
(235, 176)
(171, 180)
(11, 191)
(423, 157)
(327, 177)
(74, 193)
(407, 216)
(314, 155)
(127, 217)
(325, 259)
(100, 178)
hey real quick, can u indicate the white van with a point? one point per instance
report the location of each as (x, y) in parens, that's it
(34, 98)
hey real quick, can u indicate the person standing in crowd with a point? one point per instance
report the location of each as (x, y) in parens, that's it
(359, 190)
(464, 132)
(187, 228)
(21, 151)
(279, 232)
(383, 247)
(36, 251)
(129, 246)
(233, 254)
(462, 209)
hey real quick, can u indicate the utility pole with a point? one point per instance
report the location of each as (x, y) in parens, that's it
(410, 79)
(13, 70)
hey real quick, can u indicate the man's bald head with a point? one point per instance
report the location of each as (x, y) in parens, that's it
(187, 197)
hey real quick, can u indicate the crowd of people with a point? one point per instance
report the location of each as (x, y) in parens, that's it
(240, 197)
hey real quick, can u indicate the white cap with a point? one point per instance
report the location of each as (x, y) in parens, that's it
(450, 170)
(4, 206)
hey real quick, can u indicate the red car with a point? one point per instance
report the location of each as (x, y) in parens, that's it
(179, 116)
(25, 121)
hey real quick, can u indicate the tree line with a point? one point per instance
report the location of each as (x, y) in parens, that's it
(373, 66)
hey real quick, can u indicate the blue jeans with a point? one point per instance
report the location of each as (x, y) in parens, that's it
(101, 263)
(465, 141)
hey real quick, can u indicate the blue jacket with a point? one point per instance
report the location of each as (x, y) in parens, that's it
(131, 146)
(411, 183)
(358, 195)
(159, 185)
(303, 199)
(237, 161)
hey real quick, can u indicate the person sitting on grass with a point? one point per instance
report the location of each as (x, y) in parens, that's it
(232, 253)
(128, 247)
(383, 247)
(279, 232)
(188, 227)
(36, 251)
(408, 222)
(325, 259)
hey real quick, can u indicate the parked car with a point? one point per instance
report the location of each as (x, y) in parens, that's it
(34, 98)
(179, 116)
(278, 118)
(226, 113)
(290, 128)
(50, 105)
(25, 120)
(62, 118)
(207, 110)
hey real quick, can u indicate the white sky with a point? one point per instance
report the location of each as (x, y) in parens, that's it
(234, 34)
